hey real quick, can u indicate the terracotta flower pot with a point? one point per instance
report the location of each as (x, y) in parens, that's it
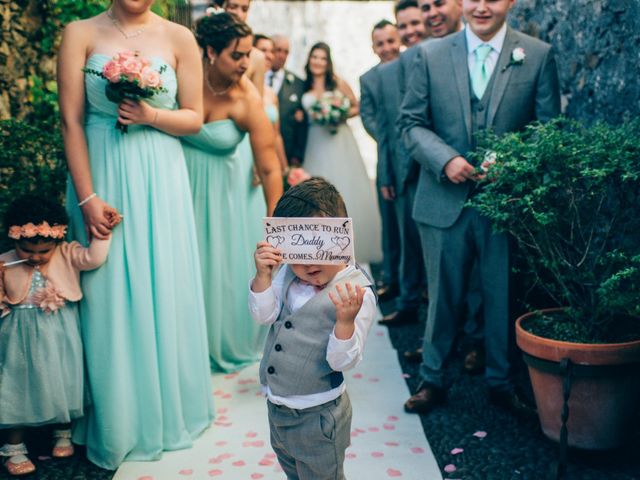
(605, 388)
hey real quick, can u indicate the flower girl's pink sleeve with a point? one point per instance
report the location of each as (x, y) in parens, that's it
(88, 258)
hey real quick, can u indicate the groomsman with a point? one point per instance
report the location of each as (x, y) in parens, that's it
(442, 18)
(398, 173)
(290, 88)
(386, 45)
(465, 83)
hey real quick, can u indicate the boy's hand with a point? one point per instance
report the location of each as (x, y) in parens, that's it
(348, 301)
(267, 258)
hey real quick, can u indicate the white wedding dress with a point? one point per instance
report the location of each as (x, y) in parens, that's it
(336, 158)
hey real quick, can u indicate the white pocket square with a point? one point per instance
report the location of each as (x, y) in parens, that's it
(293, 97)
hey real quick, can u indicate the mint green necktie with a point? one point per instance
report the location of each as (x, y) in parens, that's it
(479, 74)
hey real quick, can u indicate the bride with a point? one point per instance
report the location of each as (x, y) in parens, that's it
(332, 152)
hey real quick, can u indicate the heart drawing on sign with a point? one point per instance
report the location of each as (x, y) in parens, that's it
(342, 242)
(275, 240)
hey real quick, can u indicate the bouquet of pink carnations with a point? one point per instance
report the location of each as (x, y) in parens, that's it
(129, 75)
(330, 110)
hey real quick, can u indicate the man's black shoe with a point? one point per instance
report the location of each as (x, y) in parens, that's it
(513, 402)
(387, 292)
(425, 399)
(413, 356)
(401, 317)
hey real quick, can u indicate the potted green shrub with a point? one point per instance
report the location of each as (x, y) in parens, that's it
(569, 195)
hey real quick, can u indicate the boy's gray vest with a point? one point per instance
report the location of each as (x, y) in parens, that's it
(295, 352)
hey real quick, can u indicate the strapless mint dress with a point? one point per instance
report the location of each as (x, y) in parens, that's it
(142, 316)
(218, 177)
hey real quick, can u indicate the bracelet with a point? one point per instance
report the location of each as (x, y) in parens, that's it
(86, 200)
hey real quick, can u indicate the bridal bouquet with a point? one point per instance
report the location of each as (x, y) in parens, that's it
(330, 110)
(293, 176)
(129, 75)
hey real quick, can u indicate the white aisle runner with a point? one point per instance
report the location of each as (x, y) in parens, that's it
(385, 441)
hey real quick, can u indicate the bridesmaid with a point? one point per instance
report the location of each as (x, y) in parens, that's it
(270, 97)
(143, 318)
(219, 186)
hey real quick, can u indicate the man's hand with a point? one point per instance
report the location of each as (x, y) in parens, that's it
(458, 170)
(388, 192)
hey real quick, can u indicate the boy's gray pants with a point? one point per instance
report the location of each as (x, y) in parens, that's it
(310, 443)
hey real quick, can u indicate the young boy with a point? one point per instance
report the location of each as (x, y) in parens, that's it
(320, 316)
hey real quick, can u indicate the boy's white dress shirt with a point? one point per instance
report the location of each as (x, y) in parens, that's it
(342, 355)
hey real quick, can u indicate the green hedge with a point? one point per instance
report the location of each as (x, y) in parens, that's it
(31, 160)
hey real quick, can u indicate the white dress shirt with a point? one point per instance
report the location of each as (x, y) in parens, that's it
(278, 79)
(495, 43)
(341, 355)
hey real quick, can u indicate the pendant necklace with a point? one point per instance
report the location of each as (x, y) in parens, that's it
(116, 23)
(220, 92)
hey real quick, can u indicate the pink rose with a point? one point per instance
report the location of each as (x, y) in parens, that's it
(132, 69)
(150, 78)
(58, 231)
(112, 71)
(29, 230)
(297, 175)
(48, 298)
(15, 232)
(122, 56)
(44, 230)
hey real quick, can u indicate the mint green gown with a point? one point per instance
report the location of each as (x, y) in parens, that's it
(142, 316)
(220, 180)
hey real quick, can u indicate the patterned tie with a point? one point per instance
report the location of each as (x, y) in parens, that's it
(479, 74)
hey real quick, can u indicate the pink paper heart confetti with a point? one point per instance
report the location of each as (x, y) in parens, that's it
(388, 426)
(456, 451)
(450, 468)
(377, 454)
(392, 418)
(256, 475)
(215, 473)
(391, 444)
(145, 477)
(417, 450)
(186, 471)
(269, 455)
(480, 434)
(265, 462)
(220, 443)
(406, 375)
(350, 456)
(357, 375)
(239, 463)
(251, 434)
(392, 472)
(374, 429)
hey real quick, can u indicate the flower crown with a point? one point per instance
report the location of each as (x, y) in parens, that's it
(29, 230)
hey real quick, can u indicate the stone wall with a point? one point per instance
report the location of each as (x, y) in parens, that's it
(597, 43)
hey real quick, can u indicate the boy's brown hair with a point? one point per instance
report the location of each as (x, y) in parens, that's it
(312, 198)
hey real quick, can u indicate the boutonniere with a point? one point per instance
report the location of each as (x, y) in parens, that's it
(293, 97)
(290, 77)
(517, 57)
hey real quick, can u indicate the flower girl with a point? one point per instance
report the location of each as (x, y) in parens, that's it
(41, 363)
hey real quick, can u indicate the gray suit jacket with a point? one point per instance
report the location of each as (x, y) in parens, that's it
(294, 133)
(435, 114)
(369, 100)
(395, 165)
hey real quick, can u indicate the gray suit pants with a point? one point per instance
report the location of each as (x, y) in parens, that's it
(310, 443)
(411, 264)
(449, 256)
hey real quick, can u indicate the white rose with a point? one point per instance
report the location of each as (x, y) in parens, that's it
(518, 55)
